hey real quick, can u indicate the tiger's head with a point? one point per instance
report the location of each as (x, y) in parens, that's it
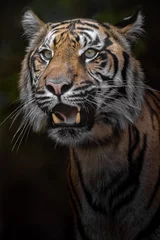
(79, 77)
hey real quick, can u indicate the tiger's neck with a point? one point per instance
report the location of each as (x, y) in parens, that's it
(111, 150)
(106, 155)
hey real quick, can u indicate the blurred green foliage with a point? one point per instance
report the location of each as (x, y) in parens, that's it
(112, 16)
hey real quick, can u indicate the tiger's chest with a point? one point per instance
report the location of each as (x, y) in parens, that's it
(110, 200)
(110, 212)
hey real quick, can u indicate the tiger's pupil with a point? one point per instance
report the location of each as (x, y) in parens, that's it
(90, 53)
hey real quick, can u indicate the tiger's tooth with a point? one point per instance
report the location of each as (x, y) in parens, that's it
(78, 118)
(79, 108)
(56, 120)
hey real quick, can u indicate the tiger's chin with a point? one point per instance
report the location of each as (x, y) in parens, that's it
(69, 135)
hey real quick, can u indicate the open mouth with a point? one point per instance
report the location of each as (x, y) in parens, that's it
(64, 115)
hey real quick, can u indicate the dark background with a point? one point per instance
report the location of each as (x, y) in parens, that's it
(33, 190)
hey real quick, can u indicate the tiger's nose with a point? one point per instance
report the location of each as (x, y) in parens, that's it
(57, 87)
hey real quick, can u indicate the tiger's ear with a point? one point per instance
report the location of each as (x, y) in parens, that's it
(132, 27)
(31, 24)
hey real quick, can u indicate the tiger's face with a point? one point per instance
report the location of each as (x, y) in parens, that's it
(80, 75)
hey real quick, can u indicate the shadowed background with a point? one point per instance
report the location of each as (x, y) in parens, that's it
(33, 184)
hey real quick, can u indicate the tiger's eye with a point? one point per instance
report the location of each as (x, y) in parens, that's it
(90, 53)
(46, 54)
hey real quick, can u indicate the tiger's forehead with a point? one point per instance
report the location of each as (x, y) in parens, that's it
(82, 31)
(77, 24)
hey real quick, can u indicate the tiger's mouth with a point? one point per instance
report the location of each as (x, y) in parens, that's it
(64, 115)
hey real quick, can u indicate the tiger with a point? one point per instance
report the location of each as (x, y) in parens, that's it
(81, 82)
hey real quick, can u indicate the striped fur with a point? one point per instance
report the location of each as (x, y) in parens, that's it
(114, 171)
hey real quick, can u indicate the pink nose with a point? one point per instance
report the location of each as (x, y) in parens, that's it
(57, 88)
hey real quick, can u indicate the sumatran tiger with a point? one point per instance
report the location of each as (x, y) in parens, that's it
(81, 82)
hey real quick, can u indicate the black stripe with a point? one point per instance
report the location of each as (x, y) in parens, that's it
(35, 69)
(61, 40)
(117, 38)
(29, 59)
(33, 60)
(33, 89)
(106, 25)
(85, 29)
(42, 105)
(59, 30)
(76, 36)
(137, 165)
(134, 140)
(115, 59)
(155, 102)
(29, 68)
(82, 88)
(89, 24)
(96, 41)
(43, 98)
(62, 28)
(94, 205)
(60, 24)
(102, 56)
(73, 44)
(42, 102)
(87, 35)
(81, 95)
(73, 189)
(135, 84)
(85, 42)
(122, 89)
(95, 79)
(105, 78)
(127, 190)
(79, 222)
(155, 191)
(125, 66)
(153, 113)
(153, 94)
(41, 92)
(107, 42)
(157, 116)
(103, 64)
(110, 67)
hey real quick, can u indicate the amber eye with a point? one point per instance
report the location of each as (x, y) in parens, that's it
(46, 54)
(90, 53)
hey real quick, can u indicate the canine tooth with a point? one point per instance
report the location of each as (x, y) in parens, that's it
(79, 108)
(56, 119)
(78, 118)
